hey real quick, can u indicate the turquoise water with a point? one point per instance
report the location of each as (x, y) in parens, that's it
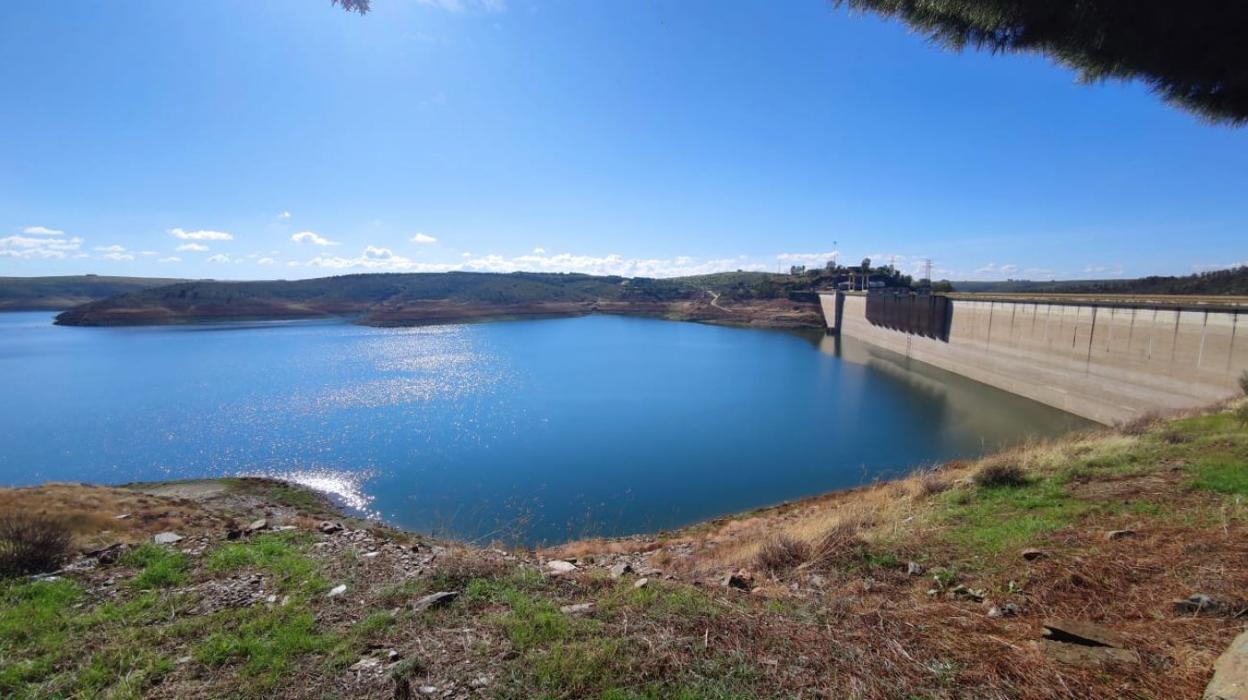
(532, 431)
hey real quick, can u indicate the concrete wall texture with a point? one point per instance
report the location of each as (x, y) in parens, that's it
(1106, 362)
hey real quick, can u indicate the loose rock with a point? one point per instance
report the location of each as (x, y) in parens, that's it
(434, 600)
(337, 591)
(1230, 672)
(641, 583)
(1198, 603)
(1085, 644)
(1119, 534)
(329, 527)
(257, 525)
(914, 568)
(1033, 554)
(621, 569)
(1005, 610)
(577, 609)
(365, 665)
(109, 554)
(167, 538)
(558, 566)
(739, 580)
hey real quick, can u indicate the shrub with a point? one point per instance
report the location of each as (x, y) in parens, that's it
(1241, 414)
(781, 554)
(31, 543)
(1243, 381)
(997, 475)
(840, 546)
(1139, 425)
(929, 484)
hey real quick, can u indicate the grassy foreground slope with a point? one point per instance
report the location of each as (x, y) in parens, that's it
(56, 293)
(935, 586)
(416, 298)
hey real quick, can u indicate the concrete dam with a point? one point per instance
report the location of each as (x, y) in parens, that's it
(1108, 360)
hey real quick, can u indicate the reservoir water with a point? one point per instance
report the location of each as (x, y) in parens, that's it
(531, 431)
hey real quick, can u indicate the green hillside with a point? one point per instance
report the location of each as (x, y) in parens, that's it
(55, 293)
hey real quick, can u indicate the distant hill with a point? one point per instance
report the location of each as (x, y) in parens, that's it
(1233, 281)
(56, 293)
(413, 298)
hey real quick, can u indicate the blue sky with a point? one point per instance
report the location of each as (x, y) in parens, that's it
(238, 139)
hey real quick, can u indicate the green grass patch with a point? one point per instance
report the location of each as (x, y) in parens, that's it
(276, 553)
(500, 588)
(33, 632)
(993, 520)
(1221, 475)
(660, 601)
(121, 672)
(264, 643)
(161, 567)
(533, 621)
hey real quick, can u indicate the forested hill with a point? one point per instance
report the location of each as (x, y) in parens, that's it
(402, 298)
(1233, 281)
(55, 293)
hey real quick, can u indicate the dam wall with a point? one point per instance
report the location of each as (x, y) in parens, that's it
(1106, 361)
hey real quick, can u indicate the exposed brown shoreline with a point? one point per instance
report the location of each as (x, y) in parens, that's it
(771, 313)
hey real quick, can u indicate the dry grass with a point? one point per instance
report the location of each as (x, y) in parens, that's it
(781, 554)
(928, 483)
(1140, 425)
(91, 513)
(839, 546)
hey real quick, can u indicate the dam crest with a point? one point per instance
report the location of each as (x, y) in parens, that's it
(1108, 360)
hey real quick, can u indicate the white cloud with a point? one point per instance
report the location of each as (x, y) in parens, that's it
(265, 261)
(23, 247)
(116, 256)
(201, 235)
(376, 258)
(170, 259)
(109, 249)
(993, 270)
(219, 258)
(808, 259)
(1111, 270)
(42, 231)
(148, 253)
(1197, 269)
(311, 237)
(463, 5)
(192, 248)
(284, 215)
(539, 251)
(292, 263)
(423, 238)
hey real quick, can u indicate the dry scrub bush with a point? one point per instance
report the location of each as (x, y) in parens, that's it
(998, 474)
(928, 484)
(781, 554)
(1140, 425)
(31, 543)
(841, 545)
(1243, 381)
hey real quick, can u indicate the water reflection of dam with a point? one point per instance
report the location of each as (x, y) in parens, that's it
(953, 402)
(1103, 360)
